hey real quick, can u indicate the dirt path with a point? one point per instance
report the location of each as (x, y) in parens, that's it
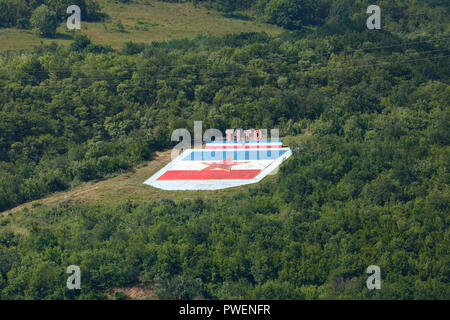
(119, 189)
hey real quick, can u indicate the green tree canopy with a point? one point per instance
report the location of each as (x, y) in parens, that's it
(44, 20)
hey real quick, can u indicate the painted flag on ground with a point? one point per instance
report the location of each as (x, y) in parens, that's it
(212, 169)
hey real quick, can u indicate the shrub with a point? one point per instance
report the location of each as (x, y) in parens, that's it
(23, 23)
(44, 20)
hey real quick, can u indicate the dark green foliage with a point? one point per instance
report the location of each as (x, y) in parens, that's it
(120, 295)
(367, 117)
(131, 48)
(235, 248)
(179, 288)
(44, 21)
(81, 117)
(80, 42)
(293, 14)
(23, 23)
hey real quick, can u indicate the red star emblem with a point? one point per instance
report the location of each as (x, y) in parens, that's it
(222, 165)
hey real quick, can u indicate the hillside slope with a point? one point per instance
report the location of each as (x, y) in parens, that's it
(141, 22)
(368, 184)
(120, 189)
(125, 187)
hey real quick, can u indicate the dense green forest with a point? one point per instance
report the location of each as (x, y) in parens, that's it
(368, 183)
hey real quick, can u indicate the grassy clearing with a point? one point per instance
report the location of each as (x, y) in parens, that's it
(122, 188)
(129, 187)
(140, 22)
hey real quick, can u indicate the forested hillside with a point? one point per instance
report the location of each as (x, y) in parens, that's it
(411, 16)
(368, 182)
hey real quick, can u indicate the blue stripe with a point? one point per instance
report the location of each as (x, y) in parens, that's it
(207, 155)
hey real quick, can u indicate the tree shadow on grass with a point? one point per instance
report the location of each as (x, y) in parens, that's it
(101, 17)
(57, 36)
(62, 36)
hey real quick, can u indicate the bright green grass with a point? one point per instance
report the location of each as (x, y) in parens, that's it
(152, 21)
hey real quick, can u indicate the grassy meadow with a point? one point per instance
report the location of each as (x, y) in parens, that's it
(140, 22)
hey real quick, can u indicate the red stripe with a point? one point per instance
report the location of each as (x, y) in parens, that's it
(208, 174)
(242, 147)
